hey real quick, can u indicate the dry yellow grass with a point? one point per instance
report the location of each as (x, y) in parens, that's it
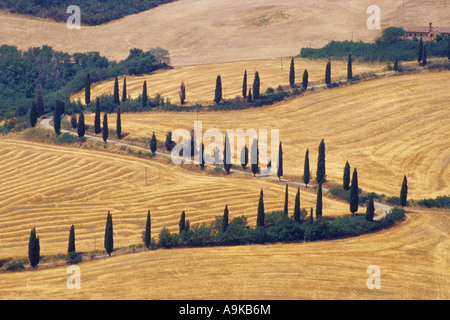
(412, 257)
(386, 128)
(204, 31)
(200, 80)
(52, 187)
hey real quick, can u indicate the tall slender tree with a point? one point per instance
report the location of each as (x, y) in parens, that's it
(109, 238)
(218, 90)
(280, 162)
(87, 90)
(81, 127)
(346, 177)
(260, 217)
(256, 86)
(182, 93)
(144, 95)
(292, 73)
(370, 210)
(404, 192)
(305, 79)
(328, 73)
(71, 246)
(244, 85)
(227, 154)
(116, 91)
(225, 219)
(420, 51)
(97, 126)
(254, 157)
(286, 201)
(320, 173)
(105, 130)
(354, 196)
(306, 174)
(34, 249)
(319, 205)
(148, 231)
(74, 121)
(424, 60)
(311, 218)
(153, 143)
(202, 155)
(124, 89)
(33, 114)
(297, 211)
(244, 157)
(57, 119)
(182, 223)
(349, 68)
(119, 124)
(249, 96)
(39, 100)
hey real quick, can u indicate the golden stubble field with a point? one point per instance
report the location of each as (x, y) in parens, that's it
(204, 31)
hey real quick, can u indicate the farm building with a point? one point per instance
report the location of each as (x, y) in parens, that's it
(427, 33)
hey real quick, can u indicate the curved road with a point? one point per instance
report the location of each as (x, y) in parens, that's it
(46, 124)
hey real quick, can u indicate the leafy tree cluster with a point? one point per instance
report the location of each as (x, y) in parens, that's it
(93, 12)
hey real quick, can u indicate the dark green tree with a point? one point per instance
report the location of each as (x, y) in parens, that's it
(39, 99)
(169, 143)
(420, 51)
(226, 154)
(354, 193)
(244, 157)
(319, 204)
(256, 86)
(34, 249)
(119, 125)
(144, 95)
(73, 121)
(404, 192)
(33, 114)
(346, 177)
(225, 219)
(105, 130)
(87, 90)
(311, 218)
(305, 79)
(328, 73)
(57, 119)
(71, 246)
(182, 223)
(250, 96)
(153, 143)
(297, 211)
(320, 173)
(148, 231)
(370, 210)
(292, 73)
(116, 91)
(202, 155)
(182, 93)
(424, 60)
(280, 162)
(396, 68)
(306, 174)
(81, 128)
(218, 91)
(260, 217)
(124, 90)
(255, 157)
(109, 239)
(244, 85)
(349, 68)
(286, 201)
(97, 126)
(448, 48)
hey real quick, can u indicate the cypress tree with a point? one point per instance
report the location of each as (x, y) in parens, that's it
(404, 192)
(182, 223)
(328, 73)
(244, 85)
(109, 239)
(448, 48)
(34, 249)
(311, 218)
(182, 93)
(218, 91)
(169, 143)
(424, 61)
(292, 73)
(396, 65)
(256, 86)
(319, 202)
(320, 173)
(225, 219)
(280, 162)
(39, 99)
(148, 231)
(354, 197)
(33, 114)
(73, 121)
(349, 68)
(305, 79)
(202, 152)
(57, 119)
(226, 155)
(119, 125)
(306, 168)
(116, 91)
(144, 95)
(105, 130)
(250, 96)
(97, 127)
(244, 157)
(297, 207)
(87, 90)
(420, 51)
(153, 143)
(81, 128)
(124, 90)
(71, 246)
(370, 210)
(260, 217)
(286, 201)
(346, 178)
(255, 154)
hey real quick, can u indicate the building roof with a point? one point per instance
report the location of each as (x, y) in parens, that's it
(426, 29)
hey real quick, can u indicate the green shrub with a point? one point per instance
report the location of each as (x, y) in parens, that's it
(15, 266)
(74, 258)
(439, 202)
(167, 239)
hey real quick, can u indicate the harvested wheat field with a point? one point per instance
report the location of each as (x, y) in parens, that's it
(386, 128)
(200, 80)
(412, 257)
(204, 31)
(52, 187)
